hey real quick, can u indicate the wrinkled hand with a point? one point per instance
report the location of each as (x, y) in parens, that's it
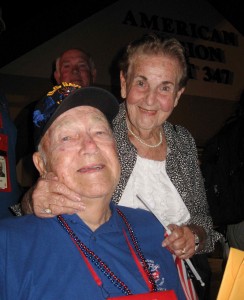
(50, 198)
(180, 241)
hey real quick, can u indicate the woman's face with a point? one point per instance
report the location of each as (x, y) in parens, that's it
(151, 90)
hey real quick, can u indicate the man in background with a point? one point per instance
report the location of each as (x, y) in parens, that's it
(74, 65)
(223, 170)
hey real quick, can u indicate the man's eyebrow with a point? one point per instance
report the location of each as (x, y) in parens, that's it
(168, 82)
(140, 76)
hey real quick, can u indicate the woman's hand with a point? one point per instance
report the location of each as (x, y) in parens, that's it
(181, 241)
(49, 197)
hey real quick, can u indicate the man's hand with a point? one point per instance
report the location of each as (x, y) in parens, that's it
(49, 198)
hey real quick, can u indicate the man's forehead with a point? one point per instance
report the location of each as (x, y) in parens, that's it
(74, 55)
(88, 112)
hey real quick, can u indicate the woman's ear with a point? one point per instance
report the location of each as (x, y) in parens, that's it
(39, 163)
(122, 85)
(178, 95)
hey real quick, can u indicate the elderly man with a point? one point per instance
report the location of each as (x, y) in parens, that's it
(102, 252)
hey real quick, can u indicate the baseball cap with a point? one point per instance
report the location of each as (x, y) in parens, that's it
(66, 96)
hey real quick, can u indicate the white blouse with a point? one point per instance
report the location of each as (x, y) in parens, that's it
(150, 181)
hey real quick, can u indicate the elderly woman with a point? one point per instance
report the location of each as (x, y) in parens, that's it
(102, 252)
(159, 160)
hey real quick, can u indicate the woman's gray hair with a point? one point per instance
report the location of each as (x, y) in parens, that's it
(155, 44)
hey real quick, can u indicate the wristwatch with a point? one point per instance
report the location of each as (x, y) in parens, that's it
(197, 241)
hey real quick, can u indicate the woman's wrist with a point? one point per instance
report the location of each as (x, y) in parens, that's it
(26, 202)
(200, 236)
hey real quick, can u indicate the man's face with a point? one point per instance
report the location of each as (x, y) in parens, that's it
(74, 67)
(80, 149)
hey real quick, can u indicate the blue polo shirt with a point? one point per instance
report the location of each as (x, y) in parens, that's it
(38, 259)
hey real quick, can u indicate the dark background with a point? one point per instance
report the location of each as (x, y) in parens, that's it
(28, 26)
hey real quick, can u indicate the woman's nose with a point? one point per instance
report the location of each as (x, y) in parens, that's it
(151, 97)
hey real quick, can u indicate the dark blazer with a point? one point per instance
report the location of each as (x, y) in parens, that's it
(181, 166)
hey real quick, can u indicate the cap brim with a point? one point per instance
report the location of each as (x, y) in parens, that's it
(88, 96)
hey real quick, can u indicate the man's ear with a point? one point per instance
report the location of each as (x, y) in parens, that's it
(178, 95)
(94, 75)
(39, 163)
(56, 75)
(122, 85)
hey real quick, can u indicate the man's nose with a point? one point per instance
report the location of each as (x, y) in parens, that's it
(89, 145)
(75, 70)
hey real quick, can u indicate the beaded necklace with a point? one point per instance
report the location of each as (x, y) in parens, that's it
(144, 143)
(89, 254)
